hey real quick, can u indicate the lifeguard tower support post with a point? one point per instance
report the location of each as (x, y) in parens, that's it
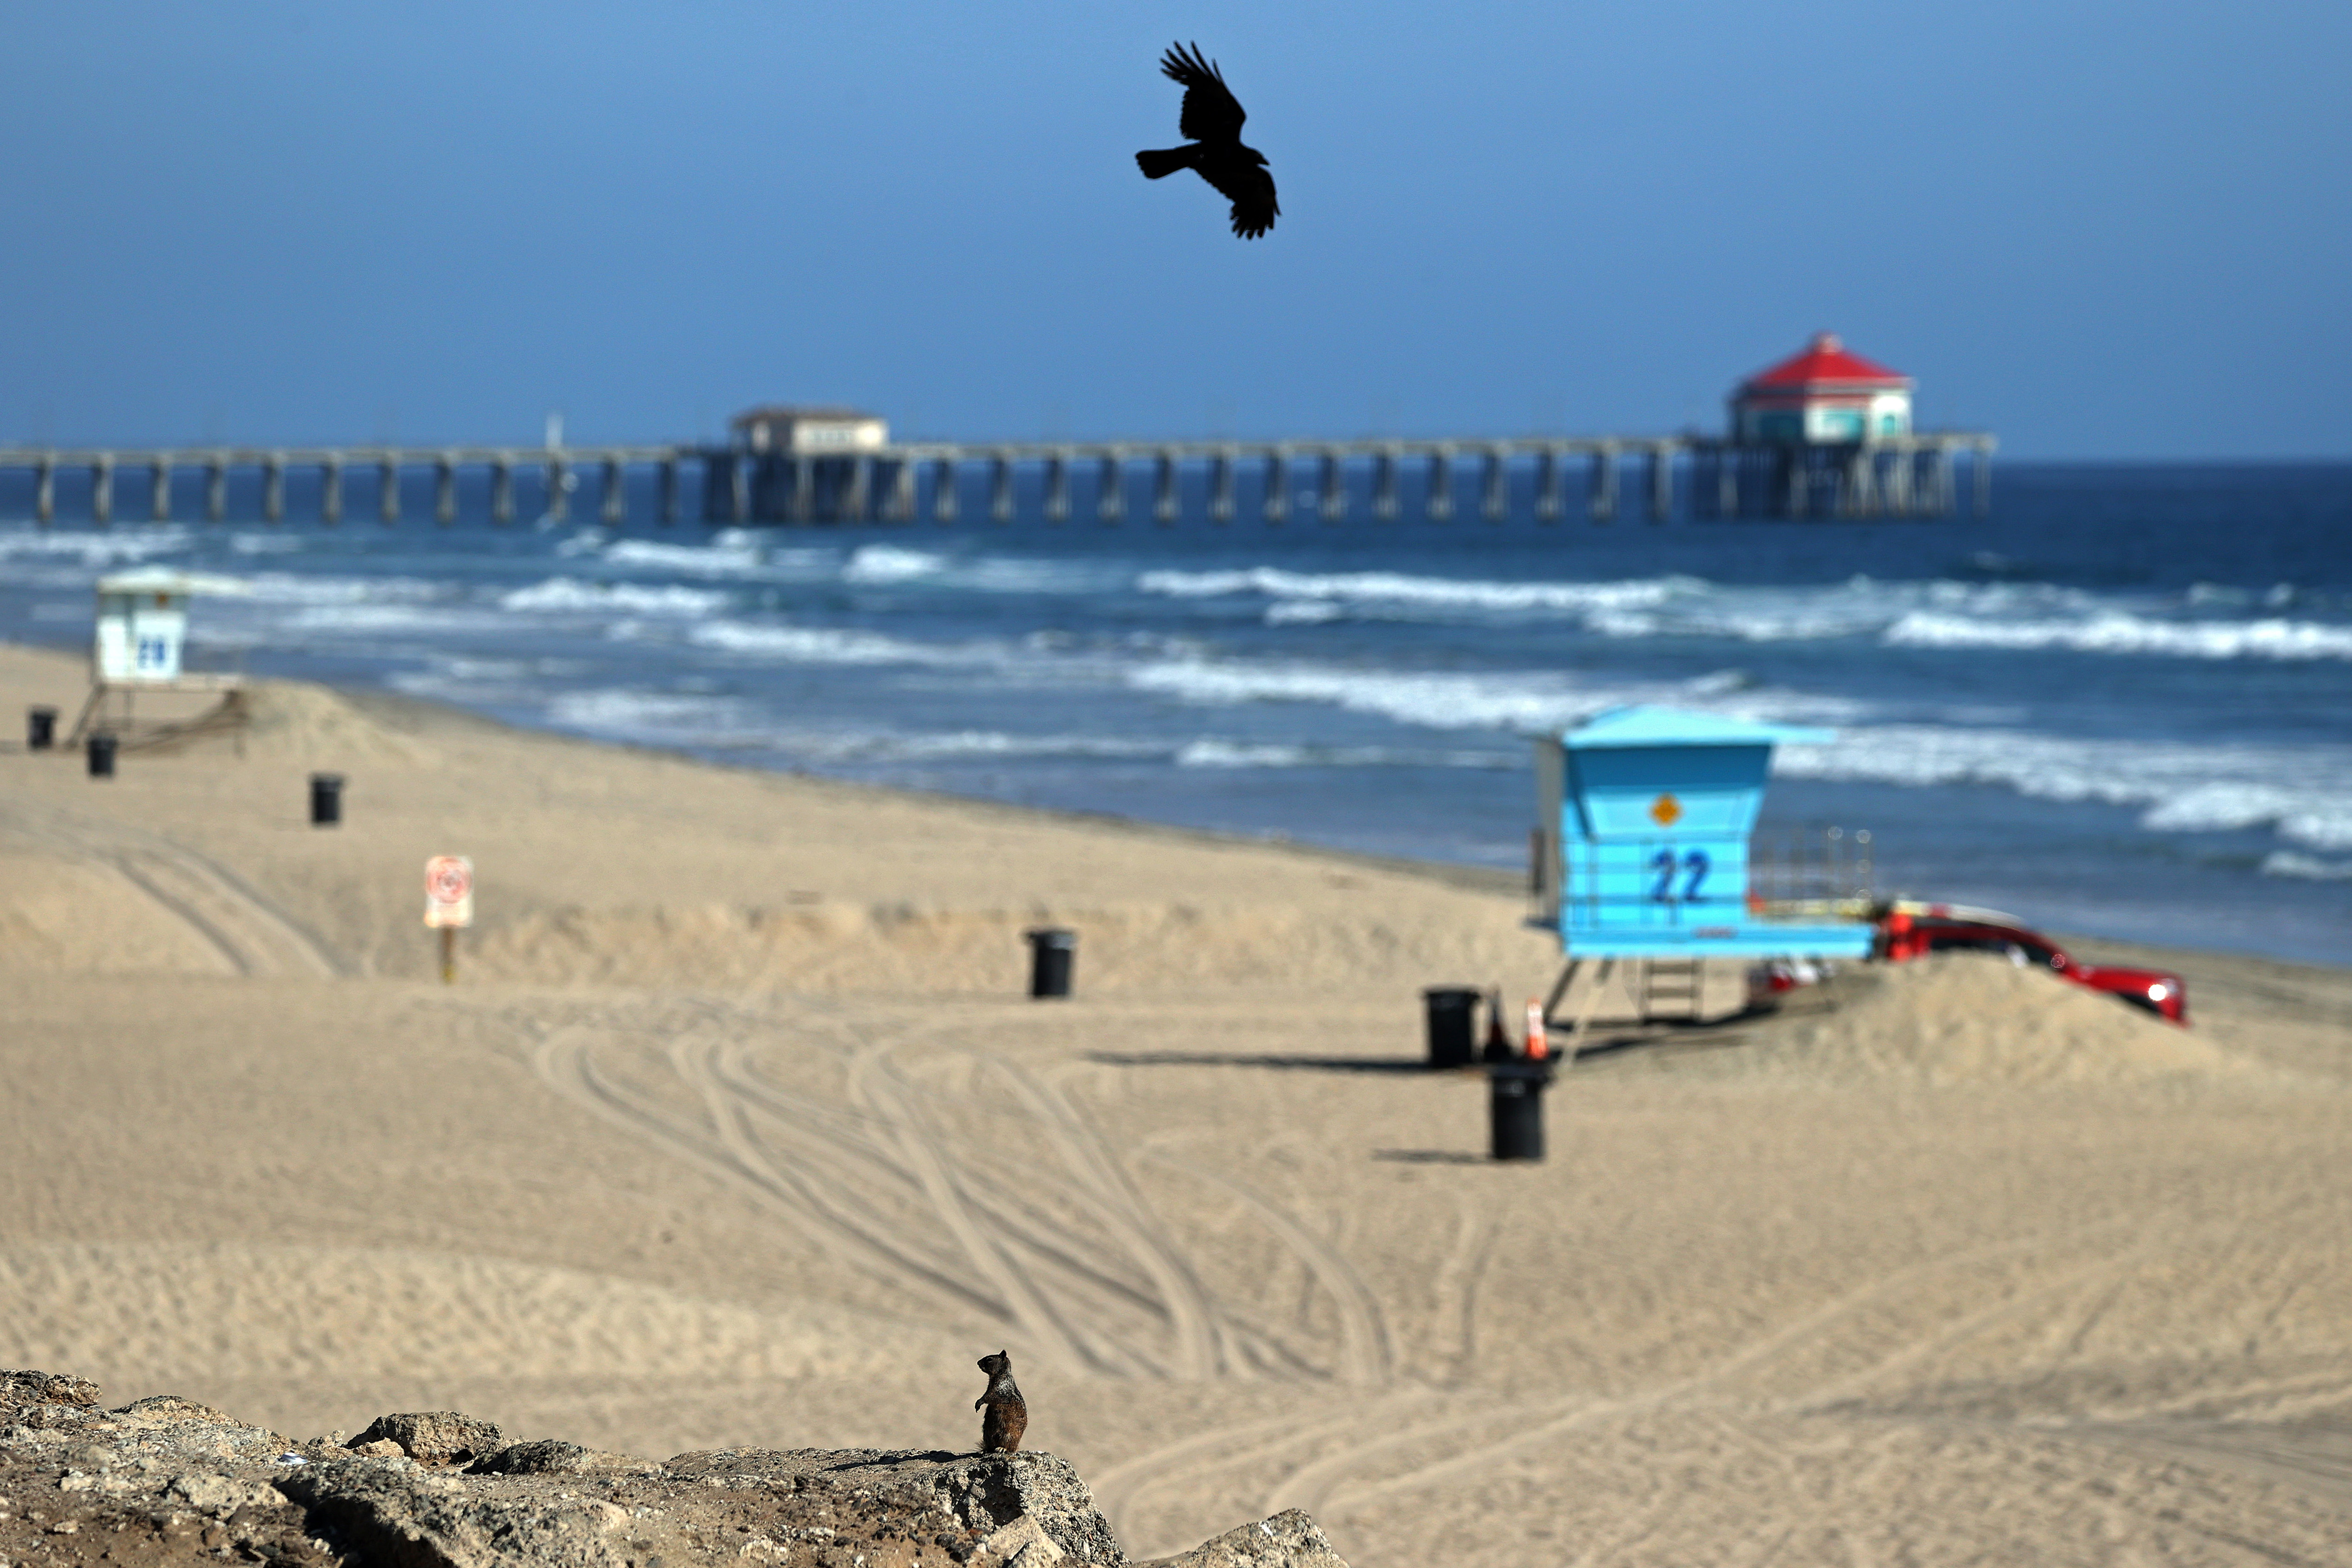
(1644, 849)
(139, 646)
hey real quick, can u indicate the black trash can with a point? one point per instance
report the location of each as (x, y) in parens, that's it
(99, 749)
(1516, 1108)
(41, 728)
(1051, 948)
(326, 800)
(1452, 1011)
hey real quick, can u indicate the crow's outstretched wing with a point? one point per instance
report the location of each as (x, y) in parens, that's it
(1211, 113)
(1250, 191)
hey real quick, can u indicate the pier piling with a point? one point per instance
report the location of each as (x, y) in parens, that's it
(1438, 505)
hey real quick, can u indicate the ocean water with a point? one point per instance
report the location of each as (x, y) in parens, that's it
(2121, 705)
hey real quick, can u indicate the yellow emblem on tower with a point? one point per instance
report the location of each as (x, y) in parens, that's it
(1665, 810)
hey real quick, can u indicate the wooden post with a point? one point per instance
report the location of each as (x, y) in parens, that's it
(45, 491)
(1221, 487)
(943, 490)
(273, 489)
(445, 490)
(387, 490)
(1276, 500)
(1000, 488)
(1603, 504)
(449, 954)
(159, 490)
(1166, 505)
(1550, 502)
(1494, 499)
(502, 491)
(1662, 481)
(1057, 489)
(615, 511)
(1333, 484)
(666, 482)
(1438, 505)
(330, 490)
(216, 489)
(1384, 483)
(1111, 487)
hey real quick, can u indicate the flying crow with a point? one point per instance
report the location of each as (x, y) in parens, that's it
(1212, 117)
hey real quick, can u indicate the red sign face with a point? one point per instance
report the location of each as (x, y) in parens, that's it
(448, 890)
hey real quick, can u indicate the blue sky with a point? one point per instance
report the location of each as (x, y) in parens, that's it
(2098, 229)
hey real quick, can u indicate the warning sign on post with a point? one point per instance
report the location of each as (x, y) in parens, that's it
(448, 890)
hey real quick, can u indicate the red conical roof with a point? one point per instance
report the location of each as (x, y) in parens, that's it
(1825, 359)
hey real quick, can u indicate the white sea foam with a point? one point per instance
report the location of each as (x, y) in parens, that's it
(2305, 868)
(1210, 752)
(1520, 700)
(953, 746)
(821, 645)
(2114, 632)
(573, 594)
(2304, 793)
(890, 563)
(1933, 613)
(645, 713)
(1376, 588)
(93, 550)
(723, 555)
(289, 588)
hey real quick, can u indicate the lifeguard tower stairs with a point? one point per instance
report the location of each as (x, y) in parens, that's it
(1642, 855)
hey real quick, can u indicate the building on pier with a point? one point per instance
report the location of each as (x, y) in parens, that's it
(795, 463)
(1825, 395)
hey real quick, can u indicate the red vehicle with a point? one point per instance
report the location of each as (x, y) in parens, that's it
(1907, 930)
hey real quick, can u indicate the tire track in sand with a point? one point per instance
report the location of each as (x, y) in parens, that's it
(249, 933)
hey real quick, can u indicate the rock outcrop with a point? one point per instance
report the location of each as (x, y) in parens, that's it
(1288, 1540)
(167, 1482)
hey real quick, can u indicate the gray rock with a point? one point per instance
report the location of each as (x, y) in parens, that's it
(982, 1492)
(1288, 1540)
(1023, 1543)
(27, 1388)
(434, 1437)
(548, 1457)
(222, 1495)
(393, 1515)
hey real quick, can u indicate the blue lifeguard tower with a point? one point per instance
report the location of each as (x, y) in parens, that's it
(1643, 847)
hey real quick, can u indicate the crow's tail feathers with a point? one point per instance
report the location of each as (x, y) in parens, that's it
(1159, 166)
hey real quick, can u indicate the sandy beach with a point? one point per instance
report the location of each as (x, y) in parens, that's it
(738, 1129)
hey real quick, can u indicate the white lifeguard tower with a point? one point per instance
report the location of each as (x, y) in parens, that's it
(139, 645)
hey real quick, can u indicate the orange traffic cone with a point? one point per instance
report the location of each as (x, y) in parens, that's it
(1538, 1046)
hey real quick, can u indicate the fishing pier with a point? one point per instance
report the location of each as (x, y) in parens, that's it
(1824, 433)
(1552, 479)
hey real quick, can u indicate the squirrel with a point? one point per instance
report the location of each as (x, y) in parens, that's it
(1008, 1414)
